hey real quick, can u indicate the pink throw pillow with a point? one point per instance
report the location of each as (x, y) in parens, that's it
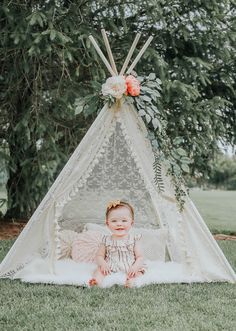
(85, 247)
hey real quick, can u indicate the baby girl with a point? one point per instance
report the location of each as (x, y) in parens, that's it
(120, 251)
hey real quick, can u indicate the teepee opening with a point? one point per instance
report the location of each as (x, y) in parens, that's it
(113, 173)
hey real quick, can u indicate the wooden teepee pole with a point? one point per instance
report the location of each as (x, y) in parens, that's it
(100, 53)
(109, 52)
(130, 54)
(145, 46)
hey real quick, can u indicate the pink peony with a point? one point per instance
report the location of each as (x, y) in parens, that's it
(133, 86)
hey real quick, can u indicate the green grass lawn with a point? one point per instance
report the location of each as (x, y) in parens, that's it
(218, 209)
(203, 307)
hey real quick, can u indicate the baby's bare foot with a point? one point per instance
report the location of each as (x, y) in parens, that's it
(129, 283)
(93, 282)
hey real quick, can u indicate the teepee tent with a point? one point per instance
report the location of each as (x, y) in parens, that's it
(115, 161)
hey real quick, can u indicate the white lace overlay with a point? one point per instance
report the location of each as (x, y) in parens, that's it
(113, 175)
(115, 161)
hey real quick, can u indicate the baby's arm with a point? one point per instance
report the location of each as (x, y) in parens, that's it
(100, 259)
(102, 269)
(137, 265)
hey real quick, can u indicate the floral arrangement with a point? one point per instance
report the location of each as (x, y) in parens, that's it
(119, 86)
(142, 91)
(144, 94)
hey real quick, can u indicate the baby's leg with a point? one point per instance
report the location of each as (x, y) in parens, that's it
(97, 278)
(130, 281)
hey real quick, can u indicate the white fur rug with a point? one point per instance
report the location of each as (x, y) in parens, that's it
(71, 273)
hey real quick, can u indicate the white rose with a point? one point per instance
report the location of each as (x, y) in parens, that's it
(114, 86)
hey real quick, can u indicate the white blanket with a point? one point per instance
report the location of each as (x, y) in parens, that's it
(69, 272)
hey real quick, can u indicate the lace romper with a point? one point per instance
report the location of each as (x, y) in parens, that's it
(120, 253)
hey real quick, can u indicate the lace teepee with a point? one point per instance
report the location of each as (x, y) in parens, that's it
(115, 161)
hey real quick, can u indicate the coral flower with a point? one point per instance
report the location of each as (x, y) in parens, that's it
(133, 86)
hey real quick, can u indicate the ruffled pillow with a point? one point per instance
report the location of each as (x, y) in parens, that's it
(66, 237)
(85, 247)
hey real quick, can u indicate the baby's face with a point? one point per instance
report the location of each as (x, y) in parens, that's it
(120, 221)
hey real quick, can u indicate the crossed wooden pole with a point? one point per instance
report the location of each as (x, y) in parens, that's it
(112, 66)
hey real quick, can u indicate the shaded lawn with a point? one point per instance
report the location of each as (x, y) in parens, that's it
(154, 307)
(218, 208)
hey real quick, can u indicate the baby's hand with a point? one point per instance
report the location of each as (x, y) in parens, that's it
(133, 270)
(105, 269)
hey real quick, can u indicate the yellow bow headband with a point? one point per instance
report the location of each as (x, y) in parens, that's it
(112, 204)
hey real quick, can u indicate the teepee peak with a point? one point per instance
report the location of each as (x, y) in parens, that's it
(112, 66)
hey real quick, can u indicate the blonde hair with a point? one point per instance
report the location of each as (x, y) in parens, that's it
(116, 204)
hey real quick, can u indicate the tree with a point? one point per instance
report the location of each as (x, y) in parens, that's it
(39, 71)
(48, 65)
(223, 174)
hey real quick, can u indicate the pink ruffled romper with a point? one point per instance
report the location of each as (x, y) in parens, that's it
(120, 253)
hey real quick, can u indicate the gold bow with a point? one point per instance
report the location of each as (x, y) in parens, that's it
(113, 204)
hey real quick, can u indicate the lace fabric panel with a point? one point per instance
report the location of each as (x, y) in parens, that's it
(114, 175)
(33, 242)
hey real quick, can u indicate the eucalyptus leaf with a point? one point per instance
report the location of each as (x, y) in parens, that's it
(155, 143)
(177, 169)
(152, 76)
(155, 110)
(146, 98)
(148, 118)
(142, 112)
(185, 159)
(150, 111)
(139, 102)
(177, 141)
(155, 123)
(185, 167)
(140, 79)
(181, 151)
(175, 155)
